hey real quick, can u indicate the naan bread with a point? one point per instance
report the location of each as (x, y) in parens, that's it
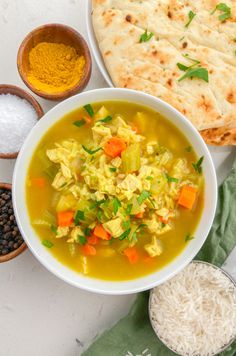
(219, 137)
(152, 66)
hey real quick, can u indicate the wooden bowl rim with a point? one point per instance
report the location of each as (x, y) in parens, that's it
(23, 246)
(87, 70)
(21, 93)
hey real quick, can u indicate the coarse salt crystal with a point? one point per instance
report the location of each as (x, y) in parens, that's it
(17, 118)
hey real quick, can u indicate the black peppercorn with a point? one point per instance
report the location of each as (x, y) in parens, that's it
(10, 237)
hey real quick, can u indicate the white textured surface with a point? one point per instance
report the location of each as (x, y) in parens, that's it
(39, 314)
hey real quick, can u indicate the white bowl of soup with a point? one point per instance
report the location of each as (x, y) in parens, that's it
(114, 191)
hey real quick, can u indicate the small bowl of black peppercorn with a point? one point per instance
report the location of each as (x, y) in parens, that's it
(11, 241)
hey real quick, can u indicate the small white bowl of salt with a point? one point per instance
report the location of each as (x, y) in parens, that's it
(19, 112)
(194, 313)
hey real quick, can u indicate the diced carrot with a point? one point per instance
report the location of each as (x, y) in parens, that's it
(88, 250)
(187, 197)
(100, 232)
(132, 254)
(163, 220)
(65, 218)
(114, 147)
(88, 120)
(93, 240)
(39, 182)
(139, 215)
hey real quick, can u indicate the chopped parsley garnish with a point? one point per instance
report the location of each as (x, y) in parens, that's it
(141, 226)
(191, 16)
(87, 232)
(53, 229)
(89, 109)
(193, 71)
(126, 224)
(79, 123)
(163, 225)
(82, 240)
(113, 169)
(182, 67)
(152, 202)
(198, 166)
(149, 178)
(196, 61)
(125, 234)
(116, 205)
(188, 237)
(47, 243)
(138, 229)
(189, 149)
(106, 119)
(225, 9)
(129, 208)
(201, 73)
(99, 215)
(181, 39)
(143, 196)
(171, 179)
(145, 37)
(79, 216)
(91, 152)
(97, 203)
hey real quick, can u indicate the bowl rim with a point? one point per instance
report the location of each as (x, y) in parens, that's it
(87, 69)
(23, 94)
(63, 272)
(9, 256)
(224, 347)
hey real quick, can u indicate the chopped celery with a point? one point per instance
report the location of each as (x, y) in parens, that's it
(49, 217)
(107, 208)
(102, 113)
(47, 220)
(135, 206)
(158, 184)
(133, 235)
(72, 249)
(141, 120)
(66, 202)
(82, 205)
(131, 158)
(51, 171)
(90, 214)
(45, 162)
(55, 199)
(41, 223)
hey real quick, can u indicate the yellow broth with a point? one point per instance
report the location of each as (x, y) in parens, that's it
(116, 267)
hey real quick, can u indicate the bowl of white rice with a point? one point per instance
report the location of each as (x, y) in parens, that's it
(194, 313)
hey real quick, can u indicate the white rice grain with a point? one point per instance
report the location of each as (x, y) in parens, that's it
(195, 312)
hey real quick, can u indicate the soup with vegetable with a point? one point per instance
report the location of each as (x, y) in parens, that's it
(115, 191)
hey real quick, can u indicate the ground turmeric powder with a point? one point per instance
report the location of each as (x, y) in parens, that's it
(55, 67)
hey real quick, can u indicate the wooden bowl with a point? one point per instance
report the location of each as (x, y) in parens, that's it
(55, 33)
(22, 247)
(14, 90)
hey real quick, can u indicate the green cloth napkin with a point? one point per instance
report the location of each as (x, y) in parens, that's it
(133, 334)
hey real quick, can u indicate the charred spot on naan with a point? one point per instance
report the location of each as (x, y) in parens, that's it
(231, 97)
(219, 136)
(108, 16)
